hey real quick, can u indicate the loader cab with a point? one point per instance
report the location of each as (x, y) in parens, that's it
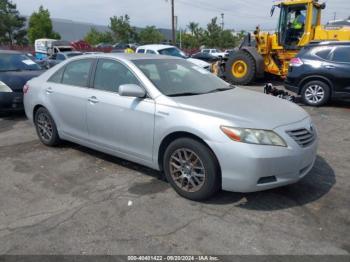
(291, 25)
(297, 23)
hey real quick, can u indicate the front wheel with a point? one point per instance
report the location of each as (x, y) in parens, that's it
(192, 169)
(240, 68)
(315, 93)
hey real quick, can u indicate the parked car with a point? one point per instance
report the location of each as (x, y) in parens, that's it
(16, 69)
(205, 57)
(320, 72)
(215, 52)
(171, 51)
(104, 45)
(59, 57)
(165, 113)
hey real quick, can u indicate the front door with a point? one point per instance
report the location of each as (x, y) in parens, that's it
(122, 124)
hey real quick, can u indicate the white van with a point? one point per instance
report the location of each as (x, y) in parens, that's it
(46, 47)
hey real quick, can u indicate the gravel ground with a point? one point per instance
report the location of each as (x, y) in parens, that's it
(73, 200)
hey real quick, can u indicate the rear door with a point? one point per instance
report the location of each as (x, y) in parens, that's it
(122, 124)
(67, 93)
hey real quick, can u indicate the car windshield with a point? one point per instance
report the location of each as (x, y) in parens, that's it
(176, 77)
(172, 51)
(17, 62)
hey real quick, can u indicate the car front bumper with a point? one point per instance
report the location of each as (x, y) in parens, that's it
(250, 168)
(11, 101)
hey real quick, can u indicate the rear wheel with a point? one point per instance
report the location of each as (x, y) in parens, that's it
(191, 169)
(241, 68)
(46, 127)
(315, 93)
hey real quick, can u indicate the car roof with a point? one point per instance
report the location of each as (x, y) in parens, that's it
(128, 57)
(10, 52)
(155, 47)
(329, 43)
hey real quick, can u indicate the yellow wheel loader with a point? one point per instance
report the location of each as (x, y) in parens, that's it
(262, 52)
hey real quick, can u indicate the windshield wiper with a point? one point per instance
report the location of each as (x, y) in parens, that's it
(221, 89)
(186, 94)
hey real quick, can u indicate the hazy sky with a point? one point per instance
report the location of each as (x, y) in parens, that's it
(239, 14)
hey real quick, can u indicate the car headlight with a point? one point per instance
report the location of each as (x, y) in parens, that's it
(253, 136)
(4, 87)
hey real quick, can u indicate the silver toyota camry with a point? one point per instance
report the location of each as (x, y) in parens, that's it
(171, 115)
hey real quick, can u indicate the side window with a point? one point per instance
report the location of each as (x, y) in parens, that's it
(150, 52)
(77, 73)
(341, 54)
(323, 53)
(141, 51)
(111, 74)
(57, 76)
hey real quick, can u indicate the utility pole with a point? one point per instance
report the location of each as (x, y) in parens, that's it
(173, 21)
(335, 15)
(222, 21)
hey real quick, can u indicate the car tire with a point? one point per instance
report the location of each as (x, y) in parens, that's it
(315, 93)
(243, 61)
(192, 169)
(46, 127)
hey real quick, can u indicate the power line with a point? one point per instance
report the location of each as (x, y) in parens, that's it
(212, 9)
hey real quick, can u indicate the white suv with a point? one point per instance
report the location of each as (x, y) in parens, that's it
(172, 51)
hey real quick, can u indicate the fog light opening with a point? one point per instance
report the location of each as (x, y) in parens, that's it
(267, 179)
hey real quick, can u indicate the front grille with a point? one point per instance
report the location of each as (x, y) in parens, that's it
(303, 137)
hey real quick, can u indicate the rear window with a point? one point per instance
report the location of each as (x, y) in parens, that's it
(341, 54)
(324, 54)
(77, 73)
(57, 76)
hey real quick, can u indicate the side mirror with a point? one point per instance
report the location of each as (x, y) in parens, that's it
(132, 90)
(272, 10)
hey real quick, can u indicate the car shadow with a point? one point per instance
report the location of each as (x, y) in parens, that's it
(312, 187)
(115, 160)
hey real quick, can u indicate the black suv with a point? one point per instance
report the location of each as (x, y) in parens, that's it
(320, 71)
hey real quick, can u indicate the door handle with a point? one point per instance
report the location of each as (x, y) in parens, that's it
(93, 99)
(329, 67)
(49, 90)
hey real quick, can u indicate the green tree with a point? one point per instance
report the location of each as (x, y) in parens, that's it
(150, 35)
(193, 27)
(188, 40)
(121, 29)
(94, 37)
(40, 26)
(227, 39)
(212, 34)
(11, 24)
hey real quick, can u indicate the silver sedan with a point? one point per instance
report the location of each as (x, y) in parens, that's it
(171, 115)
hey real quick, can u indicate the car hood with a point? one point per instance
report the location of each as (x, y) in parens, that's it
(244, 108)
(16, 80)
(198, 62)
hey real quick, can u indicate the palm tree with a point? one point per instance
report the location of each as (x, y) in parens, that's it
(193, 27)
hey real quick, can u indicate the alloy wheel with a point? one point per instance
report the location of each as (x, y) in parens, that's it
(187, 170)
(314, 94)
(44, 126)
